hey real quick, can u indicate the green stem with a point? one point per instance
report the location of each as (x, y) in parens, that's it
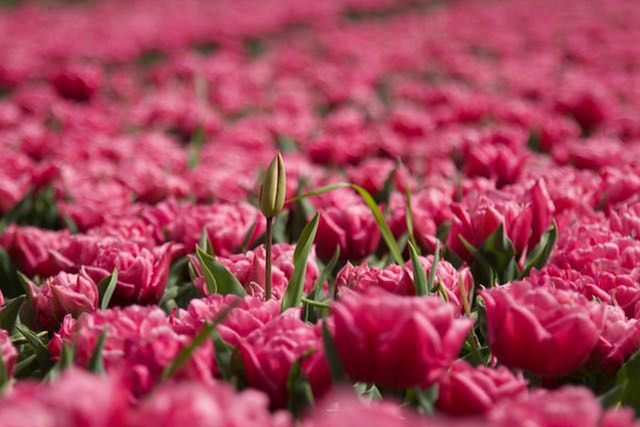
(267, 244)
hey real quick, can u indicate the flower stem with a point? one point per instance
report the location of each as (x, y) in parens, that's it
(267, 244)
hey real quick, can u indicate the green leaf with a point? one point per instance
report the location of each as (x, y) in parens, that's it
(205, 333)
(408, 213)
(217, 277)
(247, 237)
(106, 287)
(333, 358)
(628, 381)
(224, 356)
(39, 349)
(299, 389)
(295, 288)
(538, 257)
(387, 235)
(308, 314)
(434, 267)
(26, 285)
(423, 399)
(205, 242)
(96, 362)
(419, 275)
(318, 191)
(4, 377)
(24, 367)
(385, 194)
(9, 313)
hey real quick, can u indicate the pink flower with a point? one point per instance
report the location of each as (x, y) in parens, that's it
(396, 341)
(227, 225)
(78, 82)
(64, 294)
(76, 399)
(29, 248)
(140, 343)
(8, 352)
(620, 338)
(249, 269)
(466, 390)
(199, 405)
(566, 407)
(348, 223)
(543, 330)
(362, 277)
(342, 408)
(249, 314)
(142, 274)
(268, 353)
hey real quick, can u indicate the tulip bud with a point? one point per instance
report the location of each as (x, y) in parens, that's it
(274, 188)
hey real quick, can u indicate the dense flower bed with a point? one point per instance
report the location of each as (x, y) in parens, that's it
(455, 214)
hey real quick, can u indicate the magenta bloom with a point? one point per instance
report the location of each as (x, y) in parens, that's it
(268, 354)
(8, 352)
(544, 330)
(76, 399)
(64, 294)
(142, 274)
(29, 248)
(620, 338)
(468, 390)
(249, 314)
(361, 277)
(397, 341)
(346, 222)
(140, 342)
(199, 405)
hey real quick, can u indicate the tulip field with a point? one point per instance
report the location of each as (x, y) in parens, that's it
(333, 213)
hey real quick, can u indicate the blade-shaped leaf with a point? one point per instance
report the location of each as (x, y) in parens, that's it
(39, 349)
(319, 191)
(540, 254)
(106, 287)
(4, 377)
(218, 278)
(419, 275)
(387, 235)
(96, 362)
(333, 358)
(295, 288)
(299, 389)
(205, 333)
(9, 313)
(434, 267)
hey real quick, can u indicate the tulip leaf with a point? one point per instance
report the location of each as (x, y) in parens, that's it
(38, 347)
(308, 314)
(387, 235)
(331, 353)
(9, 314)
(96, 362)
(295, 288)
(106, 287)
(628, 381)
(205, 242)
(318, 191)
(247, 237)
(434, 268)
(384, 195)
(408, 213)
(224, 356)
(419, 275)
(217, 277)
(299, 389)
(205, 333)
(538, 257)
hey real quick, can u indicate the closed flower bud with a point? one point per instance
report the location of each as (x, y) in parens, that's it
(274, 188)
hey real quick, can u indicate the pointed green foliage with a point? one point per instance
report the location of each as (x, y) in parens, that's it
(217, 277)
(626, 389)
(422, 399)
(495, 260)
(295, 288)
(387, 235)
(333, 358)
(106, 287)
(4, 377)
(408, 213)
(434, 267)
(38, 347)
(26, 285)
(318, 191)
(9, 313)
(419, 275)
(538, 257)
(224, 356)
(385, 194)
(205, 333)
(299, 389)
(96, 362)
(205, 242)
(310, 314)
